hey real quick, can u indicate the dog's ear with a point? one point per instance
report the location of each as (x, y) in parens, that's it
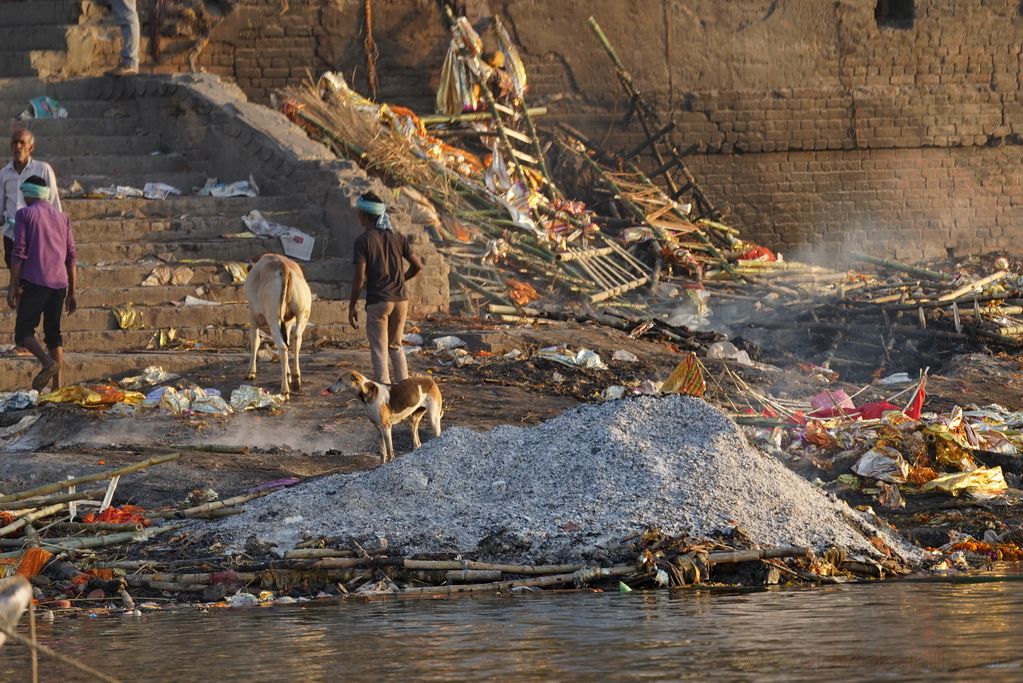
(370, 391)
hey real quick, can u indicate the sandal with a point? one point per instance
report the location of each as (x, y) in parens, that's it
(44, 377)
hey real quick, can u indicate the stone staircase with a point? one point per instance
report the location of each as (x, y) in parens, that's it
(177, 130)
(125, 141)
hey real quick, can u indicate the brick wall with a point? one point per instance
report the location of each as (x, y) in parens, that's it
(818, 126)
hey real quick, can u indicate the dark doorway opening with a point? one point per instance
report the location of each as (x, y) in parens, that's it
(895, 13)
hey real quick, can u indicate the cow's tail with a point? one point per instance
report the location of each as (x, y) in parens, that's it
(283, 308)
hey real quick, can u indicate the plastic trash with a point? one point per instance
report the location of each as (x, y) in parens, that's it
(18, 400)
(897, 378)
(118, 192)
(44, 107)
(241, 188)
(613, 392)
(447, 343)
(413, 339)
(153, 374)
(723, 350)
(583, 358)
(890, 497)
(210, 404)
(982, 483)
(238, 271)
(128, 317)
(624, 356)
(623, 587)
(298, 245)
(248, 397)
(168, 275)
(240, 599)
(18, 427)
(832, 402)
(884, 463)
(160, 191)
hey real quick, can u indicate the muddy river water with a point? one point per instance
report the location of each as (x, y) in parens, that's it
(893, 631)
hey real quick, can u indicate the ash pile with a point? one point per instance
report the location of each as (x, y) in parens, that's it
(576, 488)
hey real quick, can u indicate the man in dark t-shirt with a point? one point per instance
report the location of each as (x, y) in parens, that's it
(379, 255)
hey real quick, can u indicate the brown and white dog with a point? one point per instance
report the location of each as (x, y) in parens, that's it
(389, 404)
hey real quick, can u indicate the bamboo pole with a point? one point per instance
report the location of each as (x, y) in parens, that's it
(618, 291)
(98, 526)
(976, 285)
(583, 254)
(436, 119)
(752, 555)
(581, 577)
(30, 517)
(895, 265)
(89, 478)
(112, 539)
(95, 494)
(209, 507)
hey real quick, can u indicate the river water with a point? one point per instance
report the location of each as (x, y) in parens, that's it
(891, 631)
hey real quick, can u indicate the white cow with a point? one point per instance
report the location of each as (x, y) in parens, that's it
(279, 296)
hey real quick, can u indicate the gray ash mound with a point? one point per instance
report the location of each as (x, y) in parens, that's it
(566, 490)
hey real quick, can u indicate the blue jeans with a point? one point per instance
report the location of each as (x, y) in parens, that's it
(127, 17)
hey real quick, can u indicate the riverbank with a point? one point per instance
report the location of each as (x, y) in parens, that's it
(320, 440)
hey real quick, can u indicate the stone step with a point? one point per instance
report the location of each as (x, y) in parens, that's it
(37, 13)
(48, 36)
(185, 181)
(16, 63)
(93, 145)
(116, 165)
(218, 249)
(47, 131)
(98, 297)
(11, 106)
(97, 357)
(172, 207)
(166, 316)
(184, 228)
(211, 337)
(132, 275)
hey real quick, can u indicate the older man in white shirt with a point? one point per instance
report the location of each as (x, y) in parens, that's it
(21, 167)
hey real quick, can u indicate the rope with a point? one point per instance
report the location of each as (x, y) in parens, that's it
(370, 46)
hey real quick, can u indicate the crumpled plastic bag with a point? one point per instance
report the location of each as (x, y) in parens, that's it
(241, 188)
(129, 317)
(723, 350)
(18, 400)
(95, 396)
(193, 399)
(166, 275)
(884, 463)
(118, 192)
(583, 358)
(248, 397)
(44, 107)
(832, 401)
(982, 483)
(624, 356)
(447, 343)
(160, 191)
(211, 404)
(296, 244)
(238, 271)
(19, 426)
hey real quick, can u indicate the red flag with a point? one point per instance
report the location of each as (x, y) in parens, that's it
(916, 404)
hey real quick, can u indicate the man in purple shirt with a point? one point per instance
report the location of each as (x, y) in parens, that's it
(42, 278)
